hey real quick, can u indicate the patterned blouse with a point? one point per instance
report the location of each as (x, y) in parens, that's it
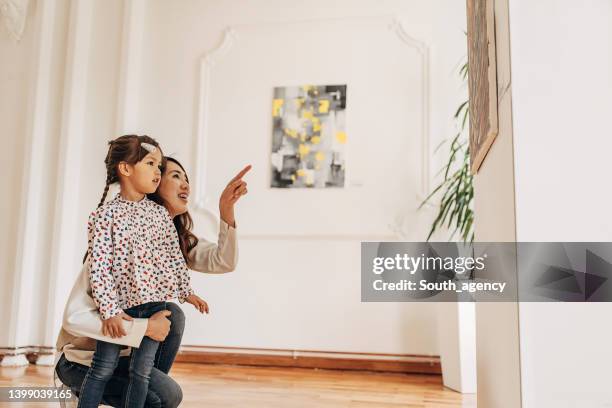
(134, 256)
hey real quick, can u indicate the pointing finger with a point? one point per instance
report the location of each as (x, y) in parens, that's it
(241, 173)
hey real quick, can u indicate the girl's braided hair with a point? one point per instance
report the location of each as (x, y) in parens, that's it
(127, 149)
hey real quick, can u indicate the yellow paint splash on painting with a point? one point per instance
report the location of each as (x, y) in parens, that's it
(315, 140)
(319, 156)
(291, 132)
(307, 114)
(303, 149)
(341, 137)
(277, 104)
(323, 106)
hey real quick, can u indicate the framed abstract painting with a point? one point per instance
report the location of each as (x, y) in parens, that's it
(308, 136)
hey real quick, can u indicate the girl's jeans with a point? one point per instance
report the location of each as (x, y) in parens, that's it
(140, 379)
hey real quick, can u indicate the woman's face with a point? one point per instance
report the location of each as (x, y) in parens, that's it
(174, 189)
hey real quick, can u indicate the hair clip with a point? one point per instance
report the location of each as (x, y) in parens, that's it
(148, 147)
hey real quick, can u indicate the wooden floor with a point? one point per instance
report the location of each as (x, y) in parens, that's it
(214, 386)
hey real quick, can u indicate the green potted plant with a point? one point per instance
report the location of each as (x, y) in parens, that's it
(455, 210)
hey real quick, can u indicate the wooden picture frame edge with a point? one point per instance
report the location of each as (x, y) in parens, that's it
(492, 78)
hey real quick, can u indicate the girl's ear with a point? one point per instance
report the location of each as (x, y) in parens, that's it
(125, 169)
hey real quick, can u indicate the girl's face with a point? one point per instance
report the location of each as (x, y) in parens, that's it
(146, 174)
(174, 189)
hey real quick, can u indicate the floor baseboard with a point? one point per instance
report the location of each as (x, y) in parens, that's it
(335, 360)
(413, 364)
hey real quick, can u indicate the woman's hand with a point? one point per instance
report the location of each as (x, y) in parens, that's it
(199, 303)
(158, 326)
(235, 189)
(113, 327)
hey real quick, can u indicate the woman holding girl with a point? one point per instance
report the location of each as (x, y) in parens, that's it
(138, 252)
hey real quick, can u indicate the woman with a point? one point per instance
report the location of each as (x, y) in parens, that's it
(82, 324)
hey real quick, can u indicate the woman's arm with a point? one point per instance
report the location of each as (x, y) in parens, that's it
(221, 257)
(230, 195)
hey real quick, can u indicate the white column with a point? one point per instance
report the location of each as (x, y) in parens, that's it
(130, 67)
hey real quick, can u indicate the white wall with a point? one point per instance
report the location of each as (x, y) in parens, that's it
(133, 66)
(297, 284)
(562, 99)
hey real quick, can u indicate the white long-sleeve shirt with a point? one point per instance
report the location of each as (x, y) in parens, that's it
(81, 320)
(134, 256)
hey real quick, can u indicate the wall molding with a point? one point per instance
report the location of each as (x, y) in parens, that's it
(397, 27)
(14, 14)
(201, 134)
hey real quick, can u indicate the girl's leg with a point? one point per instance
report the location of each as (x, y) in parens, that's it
(103, 365)
(141, 365)
(166, 353)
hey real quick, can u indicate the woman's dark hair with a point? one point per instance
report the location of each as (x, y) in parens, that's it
(127, 149)
(182, 222)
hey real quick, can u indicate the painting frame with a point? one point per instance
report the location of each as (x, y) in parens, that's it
(482, 80)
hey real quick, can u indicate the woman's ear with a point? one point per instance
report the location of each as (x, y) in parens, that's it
(125, 169)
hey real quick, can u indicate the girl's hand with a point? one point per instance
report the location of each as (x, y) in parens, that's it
(235, 189)
(113, 327)
(198, 303)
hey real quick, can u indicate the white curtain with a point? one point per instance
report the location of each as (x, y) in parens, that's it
(14, 15)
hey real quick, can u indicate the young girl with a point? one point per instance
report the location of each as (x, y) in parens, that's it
(136, 264)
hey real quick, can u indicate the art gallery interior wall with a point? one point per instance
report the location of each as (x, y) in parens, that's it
(558, 167)
(87, 71)
(562, 170)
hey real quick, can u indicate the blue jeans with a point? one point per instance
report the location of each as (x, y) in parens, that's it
(162, 391)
